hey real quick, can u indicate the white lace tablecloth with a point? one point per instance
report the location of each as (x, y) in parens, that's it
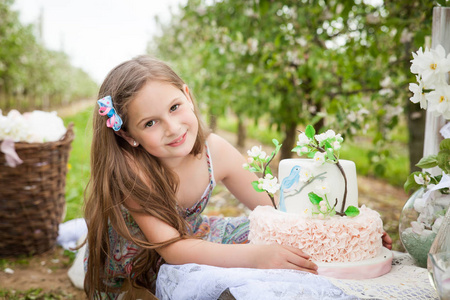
(192, 281)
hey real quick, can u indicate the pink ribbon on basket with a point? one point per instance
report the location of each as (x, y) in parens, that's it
(11, 157)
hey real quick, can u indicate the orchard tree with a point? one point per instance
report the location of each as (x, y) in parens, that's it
(339, 64)
(32, 76)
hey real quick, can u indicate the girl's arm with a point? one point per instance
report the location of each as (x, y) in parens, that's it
(221, 255)
(227, 162)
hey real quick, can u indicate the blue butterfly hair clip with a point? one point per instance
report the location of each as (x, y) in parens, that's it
(106, 108)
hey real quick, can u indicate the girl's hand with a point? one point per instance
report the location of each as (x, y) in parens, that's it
(387, 241)
(283, 257)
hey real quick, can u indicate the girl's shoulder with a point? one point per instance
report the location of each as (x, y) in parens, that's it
(225, 157)
(218, 144)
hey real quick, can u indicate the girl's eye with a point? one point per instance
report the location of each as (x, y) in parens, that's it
(175, 107)
(150, 123)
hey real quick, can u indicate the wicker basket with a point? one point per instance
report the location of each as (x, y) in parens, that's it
(32, 196)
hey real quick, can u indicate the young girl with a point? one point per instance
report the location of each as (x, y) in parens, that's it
(153, 168)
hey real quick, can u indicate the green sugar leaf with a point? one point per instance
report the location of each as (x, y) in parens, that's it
(310, 131)
(255, 186)
(352, 211)
(314, 198)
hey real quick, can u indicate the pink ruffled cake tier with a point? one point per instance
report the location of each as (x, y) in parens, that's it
(341, 246)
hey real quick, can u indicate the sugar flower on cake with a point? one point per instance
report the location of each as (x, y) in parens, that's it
(258, 162)
(319, 158)
(269, 184)
(306, 175)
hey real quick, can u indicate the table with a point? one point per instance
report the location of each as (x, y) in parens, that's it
(192, 281)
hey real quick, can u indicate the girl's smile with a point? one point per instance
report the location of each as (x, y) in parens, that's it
(162, 120)
(178, 141)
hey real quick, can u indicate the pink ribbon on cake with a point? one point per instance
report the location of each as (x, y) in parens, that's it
(11, 157)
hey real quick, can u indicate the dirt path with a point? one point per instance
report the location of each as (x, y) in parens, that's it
(48, 271)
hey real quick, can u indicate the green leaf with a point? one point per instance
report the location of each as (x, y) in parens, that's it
(275, 142)
(310, 131)
(445, 144)
(411, 183)
(314, 198)
(443, 160)
(255, 186)
(428, 162)
(352, 211)
(311, 154)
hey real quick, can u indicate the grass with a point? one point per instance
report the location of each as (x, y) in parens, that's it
(79, 169)
(33, 294)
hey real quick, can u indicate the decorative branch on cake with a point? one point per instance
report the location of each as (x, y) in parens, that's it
(324, 148)
(258, 162)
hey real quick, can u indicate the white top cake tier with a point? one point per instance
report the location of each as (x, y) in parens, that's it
(301, 176)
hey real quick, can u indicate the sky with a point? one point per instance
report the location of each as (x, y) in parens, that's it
(97, 34)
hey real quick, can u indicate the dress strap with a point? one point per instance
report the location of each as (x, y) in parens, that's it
(210, 166)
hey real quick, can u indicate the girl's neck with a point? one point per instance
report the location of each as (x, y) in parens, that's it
(178, 163)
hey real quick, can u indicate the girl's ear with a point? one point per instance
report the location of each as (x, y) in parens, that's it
(186, 92)
(123, 134)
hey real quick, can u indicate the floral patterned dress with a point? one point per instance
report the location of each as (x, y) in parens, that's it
(214, 229)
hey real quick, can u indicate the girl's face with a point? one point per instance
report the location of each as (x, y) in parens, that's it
(162, 120)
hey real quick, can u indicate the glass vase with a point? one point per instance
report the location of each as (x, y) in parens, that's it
(416, 227)
(441, 244)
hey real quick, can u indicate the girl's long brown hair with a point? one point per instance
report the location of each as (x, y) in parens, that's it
(114, 177)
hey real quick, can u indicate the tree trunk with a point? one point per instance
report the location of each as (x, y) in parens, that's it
(241, 133)
(289, 140)
(212, 122)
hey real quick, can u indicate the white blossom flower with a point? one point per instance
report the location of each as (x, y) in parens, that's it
(250, 68)
(319, 158)
(254, 152)
(386, 82)
(422, 180)
(418, 93)
(439, 101)
(270, 184)
(432, 65)
(323, 209)
(330, 134)
(305, 175)
(262, 155)
(302, 150)
(303, 139)
(321, 137)
(321, 189)
(351, 116)
(336, 145)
